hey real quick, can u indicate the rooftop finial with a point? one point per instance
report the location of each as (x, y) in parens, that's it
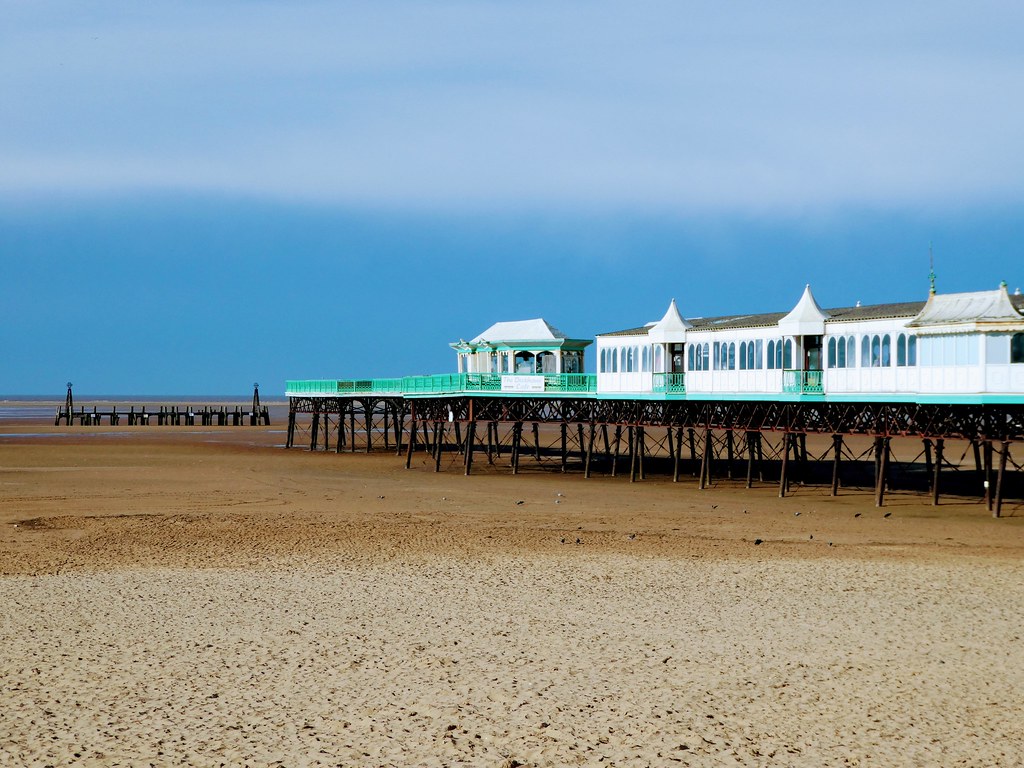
(931, 270)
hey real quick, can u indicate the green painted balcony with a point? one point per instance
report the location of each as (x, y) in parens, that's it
(803, 382)
(670, 383)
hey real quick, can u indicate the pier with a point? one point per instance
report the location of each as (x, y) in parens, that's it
(164, 415)
(871, 447)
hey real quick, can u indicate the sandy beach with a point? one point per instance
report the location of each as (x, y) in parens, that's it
(180, 596)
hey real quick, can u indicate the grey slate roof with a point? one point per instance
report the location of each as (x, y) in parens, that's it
(867, 312)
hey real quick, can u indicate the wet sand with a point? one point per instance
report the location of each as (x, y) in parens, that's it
(201, 597)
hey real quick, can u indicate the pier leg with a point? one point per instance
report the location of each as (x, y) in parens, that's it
(517, 439)
(1003, 453)
(927, 458)
(327, 431)
(352, 426)
(641, 451)
(783, 478)
(705, 460)
(615, 457)
(607, 446)
(440, 445)
(470, 436)
(751, 453)
(837, 457)
(290, 440)
(368, 418)
(536, 439)
(938, 468)
(693, 448)
(411, 446)
(387, 435)
(497, 441)
(987, 450)
(399, 430)
(580, 438)
(562, 429)
(631, 435)
(728, 453)
(678, 454)
(671, 451)
(590, 450)
(314, 431)
(882, 450)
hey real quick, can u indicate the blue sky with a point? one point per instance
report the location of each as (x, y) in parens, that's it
(196, 196)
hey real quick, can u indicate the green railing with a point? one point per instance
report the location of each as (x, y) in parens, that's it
(448, 383)
(670, 383)
(803, 382)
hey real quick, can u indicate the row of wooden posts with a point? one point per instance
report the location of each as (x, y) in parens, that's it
(172, 415)
(434, 437)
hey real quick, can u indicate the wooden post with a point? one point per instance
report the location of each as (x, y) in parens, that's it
(837, 457)
(590, 450)
(352, 426)
(440, 443)
(938, 468)
(387, 435)
(562, 428)
(705, 461)
(783, 479)
(490, 442)
(882, 451)
(615, 457)
(693, 451)
(458, 437)
(470, 435)
(579, 435)
(607, 447)
(988, 474)
(368, 407)
(671, 448)
(327, 432)
(1003, 453)
(497, 441)
(536, 440)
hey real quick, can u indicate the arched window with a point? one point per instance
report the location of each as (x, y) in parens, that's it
(751, 362)
(876, 351)
(901, 350)
(912, 350)
(865, 352)
(659, 359)
(758, 354)
(841, 352)
(743, 355)
(787, 361)
(525, 362)
(732, 356)
(886, 351)
(851, 351)
(832, 362)
(1017, 348)
(647, 359)
(706, 363)
(689, 359)
(771, 354)
(636, 359)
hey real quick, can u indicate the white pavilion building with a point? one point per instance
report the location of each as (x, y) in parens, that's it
(521, 347)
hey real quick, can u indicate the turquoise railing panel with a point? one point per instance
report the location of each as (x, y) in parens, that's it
(803, 382)
(670, 383)
(445, 383)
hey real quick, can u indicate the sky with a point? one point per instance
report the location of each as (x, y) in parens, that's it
(197, 196)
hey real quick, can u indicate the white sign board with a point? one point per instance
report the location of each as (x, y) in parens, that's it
(518, 383)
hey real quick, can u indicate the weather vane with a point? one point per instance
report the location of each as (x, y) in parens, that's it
(931, 270)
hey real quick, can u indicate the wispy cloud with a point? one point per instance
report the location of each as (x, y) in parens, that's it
(674, 106)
